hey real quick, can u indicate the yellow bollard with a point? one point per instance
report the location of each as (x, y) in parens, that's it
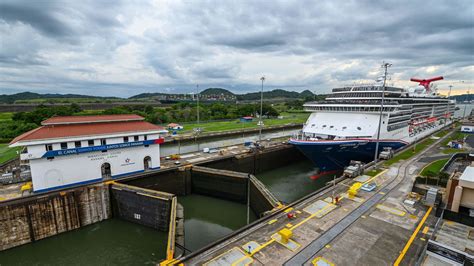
(352, 192)
(26, 187)
(285, 235)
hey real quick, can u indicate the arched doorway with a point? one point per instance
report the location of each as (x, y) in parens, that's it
(147, 162)
(106, 171)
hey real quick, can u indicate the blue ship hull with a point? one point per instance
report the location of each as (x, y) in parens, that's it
(331, 156)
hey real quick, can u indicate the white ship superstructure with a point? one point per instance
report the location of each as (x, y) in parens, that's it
(344, 126)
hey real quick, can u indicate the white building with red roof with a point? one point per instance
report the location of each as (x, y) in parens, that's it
(73, 150)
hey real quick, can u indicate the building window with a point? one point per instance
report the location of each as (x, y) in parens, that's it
(63, 145)
(103, 142)
(125, 139)
(77, 144)
(145, 137)
(49, 147)
(135, 138)
(90, 142)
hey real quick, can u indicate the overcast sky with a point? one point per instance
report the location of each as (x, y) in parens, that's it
(114, 48)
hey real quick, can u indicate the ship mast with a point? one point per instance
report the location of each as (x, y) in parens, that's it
(385, 66)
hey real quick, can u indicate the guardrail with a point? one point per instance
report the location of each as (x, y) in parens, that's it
(172, 231)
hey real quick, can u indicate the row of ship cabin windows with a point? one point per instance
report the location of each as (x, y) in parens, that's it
(350, 109)
(91, 143)
(358, 128)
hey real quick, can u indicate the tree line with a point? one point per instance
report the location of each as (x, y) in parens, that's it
(181, 112)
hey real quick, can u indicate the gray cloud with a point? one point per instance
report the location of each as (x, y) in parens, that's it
(132, 47)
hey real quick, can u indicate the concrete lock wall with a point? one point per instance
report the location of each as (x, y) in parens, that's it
(233, 186)
(223, 184)
(143, 206)
(26, 220)
(174, 181)
(261, 199)
(255, 163)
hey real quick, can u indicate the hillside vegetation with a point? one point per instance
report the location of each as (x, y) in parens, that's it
(220, 93)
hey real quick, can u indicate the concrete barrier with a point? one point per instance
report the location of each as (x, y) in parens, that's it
(233, 186)
(33, 218)
(143, 206)
(219, 183)
(174, 181)
(258, 162)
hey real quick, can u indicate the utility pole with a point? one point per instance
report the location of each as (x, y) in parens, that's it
(447, 108)
(468, 102)
(385, 66)
(197, 95)
(197, 130)
(260, 122)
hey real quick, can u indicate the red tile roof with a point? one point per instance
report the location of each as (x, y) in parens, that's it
(90, 119)
(85, 129)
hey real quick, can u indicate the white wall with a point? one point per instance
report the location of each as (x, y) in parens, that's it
(71, 169)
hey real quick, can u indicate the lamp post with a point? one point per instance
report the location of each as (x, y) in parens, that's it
(197, 95)
(385, 66)
(468, 102)
(447, 108)
(197, 130)
(260, 122)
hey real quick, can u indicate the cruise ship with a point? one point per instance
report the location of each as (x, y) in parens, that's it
(344, 126)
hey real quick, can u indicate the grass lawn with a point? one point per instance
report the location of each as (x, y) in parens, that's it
(442, 133)
(452, 150)
(6, 116)
(433, 167)
(409, 153)
(374, 172)
(455, 136)
(236, 124)
(7, 153)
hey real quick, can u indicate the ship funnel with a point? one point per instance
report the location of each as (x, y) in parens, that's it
(426, 82)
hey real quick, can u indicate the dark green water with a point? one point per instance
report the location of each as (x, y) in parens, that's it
(112, 242)
(293, 181)
(207, 219)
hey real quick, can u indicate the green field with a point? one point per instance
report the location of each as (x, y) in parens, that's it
(410, 152)
(7, 153)
(455, 136)
(374, 172)
(236, 124)
(433, 168)
(68, 100)
(6, 116)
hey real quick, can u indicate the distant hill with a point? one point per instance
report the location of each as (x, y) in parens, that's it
(463, 97)
(216, 91)
(25, 96)
(147, 95)
(209, 94)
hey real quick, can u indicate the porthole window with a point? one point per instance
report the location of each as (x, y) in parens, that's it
(359, 128)
(344, 127)
(324, 125)
(331, 126)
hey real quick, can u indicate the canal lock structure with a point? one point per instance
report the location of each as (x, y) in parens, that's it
(213, 196)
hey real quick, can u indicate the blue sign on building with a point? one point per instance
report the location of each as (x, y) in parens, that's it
(98, 148)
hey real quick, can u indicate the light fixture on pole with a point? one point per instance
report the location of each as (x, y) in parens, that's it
(260, 122)
(197, 95)
(385, 66)
(449, 103)
(466, 103)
